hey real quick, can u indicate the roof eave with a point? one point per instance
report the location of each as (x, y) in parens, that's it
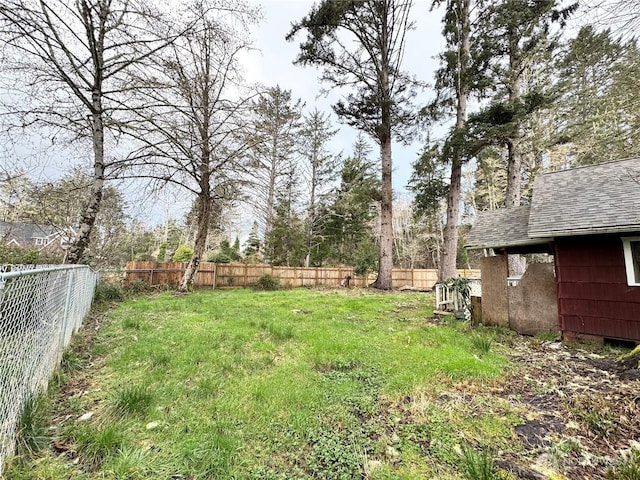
(587, 231)
(529, 243)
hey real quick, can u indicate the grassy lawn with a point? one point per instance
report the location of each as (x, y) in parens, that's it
(237, 384)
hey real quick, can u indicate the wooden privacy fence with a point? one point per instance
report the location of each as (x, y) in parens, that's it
(229, 275)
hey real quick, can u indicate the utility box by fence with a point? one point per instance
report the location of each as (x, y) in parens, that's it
(228, 275)
(40, 309)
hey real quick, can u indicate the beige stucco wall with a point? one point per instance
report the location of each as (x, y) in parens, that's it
(495, 305)
(533, 307)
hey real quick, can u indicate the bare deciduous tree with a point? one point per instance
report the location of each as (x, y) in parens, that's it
(195, 132)
(66, 62)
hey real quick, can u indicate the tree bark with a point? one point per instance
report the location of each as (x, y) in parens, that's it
(450, 239)
(514, 167)
(90, 214)
(385, 265)
(204, 212)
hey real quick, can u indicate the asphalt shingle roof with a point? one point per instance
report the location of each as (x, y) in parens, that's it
(25, 233)
(504, 227)
(593, 199)
(602, 198)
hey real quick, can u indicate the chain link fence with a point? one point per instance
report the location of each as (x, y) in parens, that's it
(40, 309)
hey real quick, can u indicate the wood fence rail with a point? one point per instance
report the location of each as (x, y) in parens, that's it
(229, 275)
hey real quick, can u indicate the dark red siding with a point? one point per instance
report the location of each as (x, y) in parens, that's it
(593, 295)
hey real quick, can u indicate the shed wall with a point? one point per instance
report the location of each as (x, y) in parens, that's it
(533, 307)
(495, 302)
(593, 296)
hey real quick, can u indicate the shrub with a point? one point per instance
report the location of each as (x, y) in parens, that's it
(268, 282)
(138, 287)
(107, 292)
(219, 258)
(462, 287)
(162, 251)
(183, 253)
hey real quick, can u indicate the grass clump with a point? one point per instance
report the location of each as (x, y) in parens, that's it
(280, 332)
(95, 444)
(70, 361)
(268, 283)
(131, 401)
(627, 467)
(126, 463)
(482, 343)
(32, 434)
(478, 465)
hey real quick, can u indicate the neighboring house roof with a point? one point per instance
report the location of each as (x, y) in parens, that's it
(602, 198)
(24, 234)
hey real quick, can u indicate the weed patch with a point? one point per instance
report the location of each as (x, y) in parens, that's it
(595, 413)
(627, 467)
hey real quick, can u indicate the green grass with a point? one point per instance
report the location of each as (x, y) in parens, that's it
(309, 384)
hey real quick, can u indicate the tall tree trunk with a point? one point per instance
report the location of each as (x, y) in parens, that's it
(450, 235)
(204, 212)
(312, 214)
(385, 265)
(517, 263)
(450, 238)
(385, 260)
(514, 167)
(97, 186)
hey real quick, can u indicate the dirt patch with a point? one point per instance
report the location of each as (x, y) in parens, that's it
(584, 406)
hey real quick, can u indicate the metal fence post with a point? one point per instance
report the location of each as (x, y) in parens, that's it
(67, 305)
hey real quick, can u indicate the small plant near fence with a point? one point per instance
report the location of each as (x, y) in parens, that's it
(32, 433)
(268, 283)
(107, 292)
